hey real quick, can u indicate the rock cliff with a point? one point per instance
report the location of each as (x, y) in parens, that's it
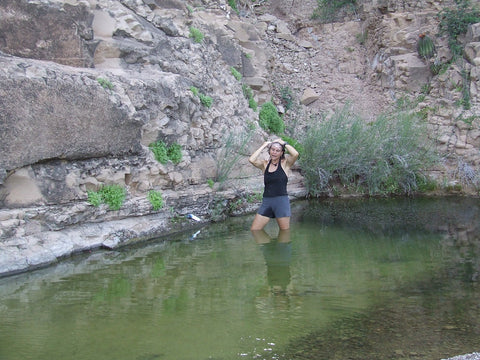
(86, 86)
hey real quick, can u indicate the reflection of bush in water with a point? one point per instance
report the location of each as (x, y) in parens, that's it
(456, 219)
(394, 215)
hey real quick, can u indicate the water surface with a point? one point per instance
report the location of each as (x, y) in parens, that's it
(357, 279)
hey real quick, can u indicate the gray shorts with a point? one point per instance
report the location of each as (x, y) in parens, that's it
(275, 207)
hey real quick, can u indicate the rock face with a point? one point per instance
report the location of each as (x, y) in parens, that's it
(86, 86)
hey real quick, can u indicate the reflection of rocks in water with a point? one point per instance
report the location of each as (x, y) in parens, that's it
(466, 240)
(457, 219)
(431, 214)
(418, 324)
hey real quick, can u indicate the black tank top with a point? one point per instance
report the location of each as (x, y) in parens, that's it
(275, 182)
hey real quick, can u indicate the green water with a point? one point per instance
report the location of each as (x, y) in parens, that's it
(357, 279)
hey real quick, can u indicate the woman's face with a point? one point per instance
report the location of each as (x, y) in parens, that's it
(276, 151)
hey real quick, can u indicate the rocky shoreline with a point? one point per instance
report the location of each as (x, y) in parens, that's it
(472, 356)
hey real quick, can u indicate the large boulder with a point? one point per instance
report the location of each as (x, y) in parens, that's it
(51, 111)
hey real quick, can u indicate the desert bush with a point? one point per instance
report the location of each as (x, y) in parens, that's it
(387, 156)
(270, 120)
(231, 153)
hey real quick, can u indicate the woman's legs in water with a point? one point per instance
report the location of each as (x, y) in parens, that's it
(284, 223)
(259, 222)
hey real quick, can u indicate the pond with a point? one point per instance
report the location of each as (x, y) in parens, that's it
(352, 279)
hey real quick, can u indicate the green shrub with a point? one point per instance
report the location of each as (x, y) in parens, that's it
(163, 153)
(156, 199)
(94, 198)
(388, 156)
(196, 35)
(252, 104)
(194, 90)
(159, 149)
(174, 153)
(236, 74)
(112, 195)
(106, 84)
(270, 120)
(205, 100)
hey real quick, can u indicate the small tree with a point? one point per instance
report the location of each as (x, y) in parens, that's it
(270, 120)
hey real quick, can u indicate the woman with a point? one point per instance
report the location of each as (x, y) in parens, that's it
(275, 202)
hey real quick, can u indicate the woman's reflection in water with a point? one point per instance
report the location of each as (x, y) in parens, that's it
(277, 253)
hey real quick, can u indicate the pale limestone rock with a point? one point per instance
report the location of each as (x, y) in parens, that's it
(473, 33)
(309, 96)
(472, 53)
(20, 188)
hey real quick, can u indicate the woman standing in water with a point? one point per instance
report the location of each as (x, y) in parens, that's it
(275, 202)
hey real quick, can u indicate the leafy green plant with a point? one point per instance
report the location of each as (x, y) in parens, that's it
(211, 183)
(94, 198)
(174, 153)
(164, 153)
(386, 156)
(196, 35)
(106, 84)
(204, 99)
(236, 74)
(194, 90)
(454, 22)
(248, 93)
(270, 120)
(156, 199)
(112, 195)
(159, 149)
